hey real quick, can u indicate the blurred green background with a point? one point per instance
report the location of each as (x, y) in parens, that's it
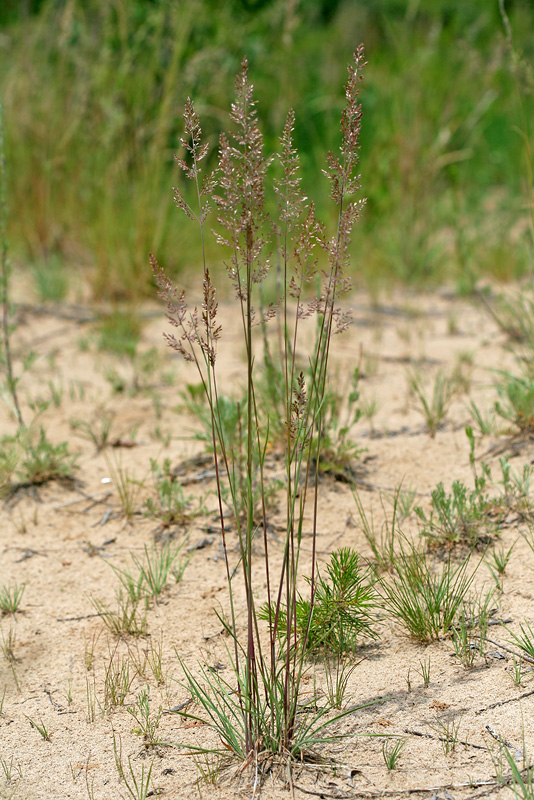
(93, 93)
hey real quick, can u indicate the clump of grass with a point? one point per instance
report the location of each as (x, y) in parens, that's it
(97, 432)
(151, 573)
(147, 723)
(127, 620)
(434, 406)
(338, 671)
(448, 729)
(392, 751)
(41, 727)
(127, 487)
(117, 681)
(516, 404)
(169, 505)
(44, 461)
(342, 410)
(258, 708)
(11, 598)
(497, 561)
(425, 600)
(137, 785)
(525, 640)
(139, 586)
(383, 542)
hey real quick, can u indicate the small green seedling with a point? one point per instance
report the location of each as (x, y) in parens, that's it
(11, 597)
(392, 751)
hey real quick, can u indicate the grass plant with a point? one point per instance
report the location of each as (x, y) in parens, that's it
(147, 724)
(516, 402)
(258, 708)
(155, 660)
(41, 727)
(137, 785)
(522, 780)
(433, 406)
(517, 671)
(497, 562)
(341, 411)
(392, 751)
(117, 681)
(424, 672)
(382, 543)
(170, 506)
(426, 600)
(464, 647)
(150, 575)
(338, 671)
(448, 729)
(525, 640)
(128, 488)
(29, 458)
(11, 597)
(516, 483)
(484, 421)
(127, 620)
(98, 433)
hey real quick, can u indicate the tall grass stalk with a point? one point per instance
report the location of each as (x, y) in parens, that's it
(258, 709)
(4, 277)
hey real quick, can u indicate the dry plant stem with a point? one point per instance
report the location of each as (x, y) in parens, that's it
(4, 281)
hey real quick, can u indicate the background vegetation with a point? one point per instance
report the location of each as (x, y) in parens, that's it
(93, 94)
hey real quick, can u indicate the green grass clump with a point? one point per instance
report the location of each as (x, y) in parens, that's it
(424, 599)
(434, 405)
(517, 402)
(11, 598)
(169, 505)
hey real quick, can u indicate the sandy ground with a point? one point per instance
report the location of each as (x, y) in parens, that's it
(62, 539)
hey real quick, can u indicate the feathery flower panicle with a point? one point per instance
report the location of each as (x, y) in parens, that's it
(310, 233)
(242, 170)
(198, 151)
(299, 410)
(340, 169)
(344, 182)
(209, 314)
(292, 201)
(186, 321)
